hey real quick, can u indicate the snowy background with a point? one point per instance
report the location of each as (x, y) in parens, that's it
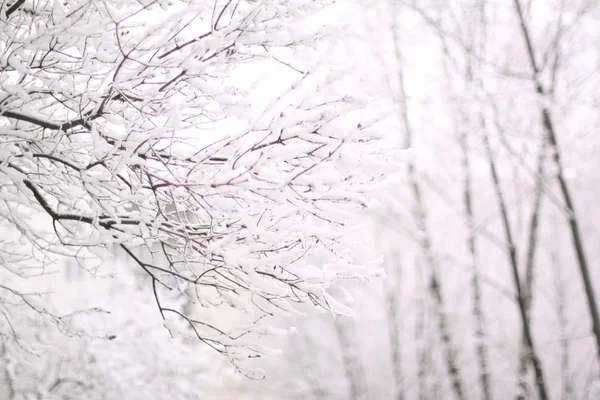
(294, 199)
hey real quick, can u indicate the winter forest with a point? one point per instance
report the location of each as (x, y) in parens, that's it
(299, 199)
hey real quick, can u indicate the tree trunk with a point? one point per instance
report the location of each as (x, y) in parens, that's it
(484, 374)
(435, 289)
(564, 189)
(450, 353)
(394, 330)
(530, 262)
(352, 367)
(512, 252)
(422, 349)
(7, 389)
(561, 295)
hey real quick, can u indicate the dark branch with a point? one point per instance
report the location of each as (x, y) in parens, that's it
(51, 125)
(14, 7)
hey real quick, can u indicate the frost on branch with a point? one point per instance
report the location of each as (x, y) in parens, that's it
(111, 129)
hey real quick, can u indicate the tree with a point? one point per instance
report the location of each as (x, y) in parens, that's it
(97, 354)
(435, 284)
(549, 127)
(467, 76)
(128, 124)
